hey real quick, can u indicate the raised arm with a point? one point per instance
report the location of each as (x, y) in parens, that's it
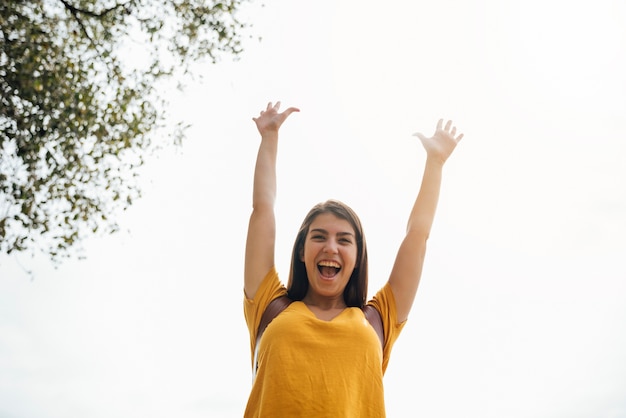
(259, 256)
(407, 269)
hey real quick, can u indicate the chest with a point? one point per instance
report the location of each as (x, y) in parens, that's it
(298, 335)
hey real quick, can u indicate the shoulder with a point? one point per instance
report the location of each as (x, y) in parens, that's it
(384, 303)
(270, 289)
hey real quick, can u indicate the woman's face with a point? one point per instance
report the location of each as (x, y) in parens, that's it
(329, 255)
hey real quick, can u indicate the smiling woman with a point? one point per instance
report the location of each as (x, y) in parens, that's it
(320, 355)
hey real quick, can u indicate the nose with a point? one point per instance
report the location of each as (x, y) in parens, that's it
(331, 247)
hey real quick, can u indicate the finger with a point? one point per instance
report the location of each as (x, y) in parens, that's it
(290, 110)
(269, 106)
(458, 138)
(439, 124)
(277, 106)
(448, 124)
(453, 131)
(421, 136)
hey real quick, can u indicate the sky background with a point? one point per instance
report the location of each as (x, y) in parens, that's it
(521, 310)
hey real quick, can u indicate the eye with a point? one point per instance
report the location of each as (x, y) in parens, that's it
(345, 240)
(317, 237)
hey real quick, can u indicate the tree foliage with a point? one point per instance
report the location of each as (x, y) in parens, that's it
(80, 107)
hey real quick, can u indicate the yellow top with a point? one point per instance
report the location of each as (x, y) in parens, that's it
(314, 368)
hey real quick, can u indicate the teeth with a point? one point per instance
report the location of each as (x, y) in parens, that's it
(329, 264)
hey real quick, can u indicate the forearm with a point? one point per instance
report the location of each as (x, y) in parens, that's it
(423, 213)
(264, 186)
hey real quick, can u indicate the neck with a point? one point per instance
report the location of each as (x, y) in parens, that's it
(324, 302)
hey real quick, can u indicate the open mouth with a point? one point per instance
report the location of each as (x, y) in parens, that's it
(328, 269)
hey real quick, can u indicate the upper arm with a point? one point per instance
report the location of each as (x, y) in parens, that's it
(407, 271)
(259, 257)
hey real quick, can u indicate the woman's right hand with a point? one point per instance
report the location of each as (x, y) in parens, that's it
(270, 120)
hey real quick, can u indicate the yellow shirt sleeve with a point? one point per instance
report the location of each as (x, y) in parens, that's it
(253, 309)
(385, 303)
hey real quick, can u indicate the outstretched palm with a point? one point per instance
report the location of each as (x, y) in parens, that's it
(442, 143)
(270, 120)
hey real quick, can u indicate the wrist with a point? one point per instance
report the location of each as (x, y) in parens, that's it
(269, 136)
(435, 161)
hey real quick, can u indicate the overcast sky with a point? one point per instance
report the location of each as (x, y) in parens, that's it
(521, 310)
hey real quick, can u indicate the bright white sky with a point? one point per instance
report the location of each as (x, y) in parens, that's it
(521, 309)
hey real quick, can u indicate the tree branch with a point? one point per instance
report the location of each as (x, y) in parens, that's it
(76, 11)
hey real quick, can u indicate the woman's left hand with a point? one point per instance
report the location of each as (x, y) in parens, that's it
(442, 143)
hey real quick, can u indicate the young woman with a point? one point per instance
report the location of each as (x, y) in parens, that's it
(322, 356)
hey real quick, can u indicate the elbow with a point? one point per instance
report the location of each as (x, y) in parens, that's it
(415, 233)
(415, 242)
(263, 203)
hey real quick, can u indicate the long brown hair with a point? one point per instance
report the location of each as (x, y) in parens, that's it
(355, 292)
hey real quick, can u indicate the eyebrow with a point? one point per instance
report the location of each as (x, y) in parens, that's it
(323, 231)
